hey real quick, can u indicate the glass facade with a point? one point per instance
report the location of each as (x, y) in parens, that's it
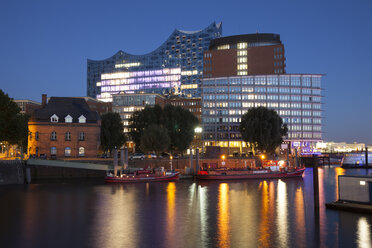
(127, 104)
(183, 51)
(295, 97)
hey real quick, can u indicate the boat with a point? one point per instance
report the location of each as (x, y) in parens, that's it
(144, 176)
(270, 170)
(356, 160)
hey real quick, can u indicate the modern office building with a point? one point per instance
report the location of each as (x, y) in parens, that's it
(177, 65)
(248, 54)
(27, 106)
(296, 98)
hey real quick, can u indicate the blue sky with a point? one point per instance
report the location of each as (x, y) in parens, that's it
(44, 45)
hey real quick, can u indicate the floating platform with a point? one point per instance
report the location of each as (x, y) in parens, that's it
(350, 207)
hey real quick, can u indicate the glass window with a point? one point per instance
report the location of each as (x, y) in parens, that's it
(53, 136)
(81, 136)
(67, 152)
(81, 152)
(53, 150)
(37, 136)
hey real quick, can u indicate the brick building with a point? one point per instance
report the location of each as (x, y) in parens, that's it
(248, 54)
(64, 127)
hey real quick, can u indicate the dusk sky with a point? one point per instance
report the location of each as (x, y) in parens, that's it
(45, 45)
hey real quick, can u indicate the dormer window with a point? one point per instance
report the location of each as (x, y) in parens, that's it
(54, 118)
(68, 119)
(82, 119)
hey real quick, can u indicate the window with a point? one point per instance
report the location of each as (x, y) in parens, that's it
(81, 152)
(67, 152)
(68, 119)
(54, 118)
(53, 136)
(37, 136)
(30, 135)
(81, 136)
(67, 136)
(82, 119)
(53, 151)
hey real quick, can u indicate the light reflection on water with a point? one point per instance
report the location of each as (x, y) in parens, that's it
(253, 213)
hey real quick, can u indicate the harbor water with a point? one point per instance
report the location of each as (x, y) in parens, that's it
(187, 213)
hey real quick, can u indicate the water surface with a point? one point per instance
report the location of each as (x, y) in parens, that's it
(251, 213)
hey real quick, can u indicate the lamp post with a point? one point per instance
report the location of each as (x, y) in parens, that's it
(171, 165)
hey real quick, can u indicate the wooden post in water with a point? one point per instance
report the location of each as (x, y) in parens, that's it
(115, 161)
(196, 161)
(126, 158)
(366, 157)
(122, 160)
(316, 184)
(191, 163)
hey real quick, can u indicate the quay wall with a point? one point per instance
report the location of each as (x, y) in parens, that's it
(12, 172)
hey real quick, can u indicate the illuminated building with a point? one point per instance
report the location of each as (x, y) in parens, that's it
(64, 127)
(176, 65)
(295, 97)
(248, 54)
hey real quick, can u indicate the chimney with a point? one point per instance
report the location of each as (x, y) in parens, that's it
(43, 100)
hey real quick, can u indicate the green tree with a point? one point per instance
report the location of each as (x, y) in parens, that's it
(155, 138)
(144, 118)
(13, 124)
(112, 132)
(180, 124)
(262, 129)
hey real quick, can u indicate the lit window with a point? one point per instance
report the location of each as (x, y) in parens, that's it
(81, 152)
(242, 45)
(67, 152)
(68, 119)
(53, 150)
(54, 118)
(82, 119)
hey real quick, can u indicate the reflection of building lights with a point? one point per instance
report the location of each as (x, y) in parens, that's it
(364, 233)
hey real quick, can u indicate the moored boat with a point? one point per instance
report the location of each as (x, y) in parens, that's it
(267, 172)
(143, 176)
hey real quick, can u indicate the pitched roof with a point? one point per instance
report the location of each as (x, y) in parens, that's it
(63, 106)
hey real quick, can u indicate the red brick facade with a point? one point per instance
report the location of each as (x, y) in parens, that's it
(40, 141)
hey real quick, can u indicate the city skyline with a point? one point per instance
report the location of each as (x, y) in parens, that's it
(46, 46)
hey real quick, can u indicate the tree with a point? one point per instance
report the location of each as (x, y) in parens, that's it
(180, 124)
(144, 118)
(155, 138)
(262, 129)
(13, 124)
(112, 132)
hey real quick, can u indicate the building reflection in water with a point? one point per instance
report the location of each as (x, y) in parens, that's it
(300, 217)
(264, 222)
(363, 233)
(282, 213)
(223, 219)
(203, 196)
(338, 172)
(171, 213)
(117, 216)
